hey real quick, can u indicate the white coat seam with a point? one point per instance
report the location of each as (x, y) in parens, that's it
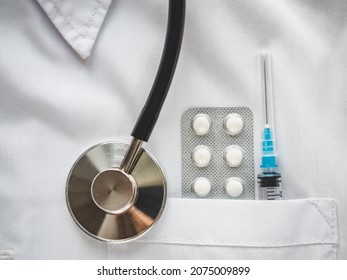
(333, 250)
(65, 19)
(331, 222)
(92, 18)
(71, 26)
(237, 243)
(110, 250)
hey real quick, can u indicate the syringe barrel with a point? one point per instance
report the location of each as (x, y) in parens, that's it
(270, 187)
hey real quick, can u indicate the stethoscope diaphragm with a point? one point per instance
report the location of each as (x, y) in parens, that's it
(110, 205)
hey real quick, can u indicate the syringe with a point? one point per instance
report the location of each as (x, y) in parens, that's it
(269, 180)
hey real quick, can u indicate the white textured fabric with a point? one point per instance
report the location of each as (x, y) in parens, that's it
(55, 105)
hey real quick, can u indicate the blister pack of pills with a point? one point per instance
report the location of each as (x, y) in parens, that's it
(217, 153)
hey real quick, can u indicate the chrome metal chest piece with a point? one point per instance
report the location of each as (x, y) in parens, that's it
(109, 204)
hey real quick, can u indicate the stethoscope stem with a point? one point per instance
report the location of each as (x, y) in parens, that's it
(132, 155)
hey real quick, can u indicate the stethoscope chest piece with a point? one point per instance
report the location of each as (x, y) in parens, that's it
(110, 204)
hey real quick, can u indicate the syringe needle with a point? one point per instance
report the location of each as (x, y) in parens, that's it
(265, 92)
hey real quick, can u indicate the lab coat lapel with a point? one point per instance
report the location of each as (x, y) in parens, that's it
(78, 21)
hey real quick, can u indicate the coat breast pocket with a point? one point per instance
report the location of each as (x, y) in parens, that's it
(224, 229)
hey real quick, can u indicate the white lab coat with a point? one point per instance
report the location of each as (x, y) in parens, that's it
(77, 73)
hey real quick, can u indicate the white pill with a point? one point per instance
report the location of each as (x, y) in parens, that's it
(234, 187)
(233, 155)
(201, 155)
(233, 124)
(202, 186)
(201, 124)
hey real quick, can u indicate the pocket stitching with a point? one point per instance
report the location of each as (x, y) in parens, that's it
(235, 243)
(329, 220)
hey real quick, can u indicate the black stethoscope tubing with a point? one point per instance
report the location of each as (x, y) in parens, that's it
(150, 112)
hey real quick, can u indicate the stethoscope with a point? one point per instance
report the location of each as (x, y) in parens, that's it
(116, 191)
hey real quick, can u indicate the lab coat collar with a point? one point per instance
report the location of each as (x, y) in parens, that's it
(78, 21)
